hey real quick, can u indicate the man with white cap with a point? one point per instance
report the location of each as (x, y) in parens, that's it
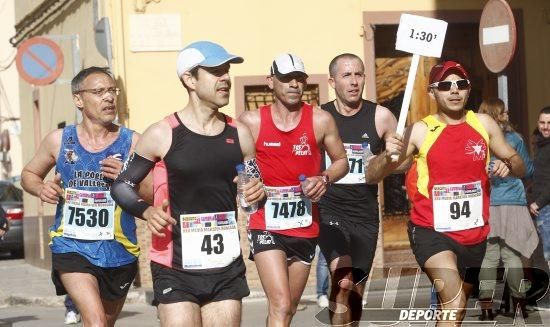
(283, 234)
(449, 221)
(196, 262)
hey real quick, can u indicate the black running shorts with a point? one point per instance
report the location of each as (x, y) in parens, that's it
(200, 287)
(114, 283)
(426, 242)
(343, 237)
(295, 248)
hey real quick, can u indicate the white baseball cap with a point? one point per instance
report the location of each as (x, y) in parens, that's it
(204, 53)
(287, 63)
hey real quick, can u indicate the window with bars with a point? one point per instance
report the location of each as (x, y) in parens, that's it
(260, 95)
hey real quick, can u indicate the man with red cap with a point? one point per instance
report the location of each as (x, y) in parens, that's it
(449, 220)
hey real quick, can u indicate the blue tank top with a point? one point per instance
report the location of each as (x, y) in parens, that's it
(80, 170)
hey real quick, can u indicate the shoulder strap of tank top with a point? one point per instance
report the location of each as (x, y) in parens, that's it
(265, 115)
(230, 121)
(173, 120)
(370, 108)
(307, 111)
(125, 132)
(67, 133)
(329, 106)
(431, 121)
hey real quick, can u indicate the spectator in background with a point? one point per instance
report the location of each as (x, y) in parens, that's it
(72, 315)
(512, 233)
(540, 198)
(4, 223)
(322, 280)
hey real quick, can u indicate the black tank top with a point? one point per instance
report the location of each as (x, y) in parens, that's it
(357, 202)
(200, 171)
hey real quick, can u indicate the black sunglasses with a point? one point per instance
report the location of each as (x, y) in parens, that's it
(461, 84)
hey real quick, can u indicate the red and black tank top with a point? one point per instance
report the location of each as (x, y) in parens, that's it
(196, 175)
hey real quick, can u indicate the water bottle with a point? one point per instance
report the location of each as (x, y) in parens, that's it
(303, 182)
(242, 180)
(366, 153)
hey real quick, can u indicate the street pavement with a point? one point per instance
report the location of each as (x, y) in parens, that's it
(27, 298)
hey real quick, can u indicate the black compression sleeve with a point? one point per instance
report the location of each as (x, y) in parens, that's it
(124, 191)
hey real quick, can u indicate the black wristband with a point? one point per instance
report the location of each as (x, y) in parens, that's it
(123, 190)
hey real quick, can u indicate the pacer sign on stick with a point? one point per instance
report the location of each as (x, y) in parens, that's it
(420, 36)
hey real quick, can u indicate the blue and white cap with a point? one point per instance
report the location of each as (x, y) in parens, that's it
(287, 63)
(204, 53)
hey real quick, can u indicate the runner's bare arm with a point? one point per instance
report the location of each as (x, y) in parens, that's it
(404, 146)
(384, 121)
(326, 134)
(251, 118)
(33, 174)
(332, 143)
(510, 161)
(151, 147)
(254, 190)
(386, 124)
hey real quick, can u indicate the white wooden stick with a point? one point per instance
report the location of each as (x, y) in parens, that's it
(407, 98)
(408, 94)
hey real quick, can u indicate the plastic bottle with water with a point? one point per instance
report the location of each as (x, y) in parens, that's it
(303, 182)
(242, 180)
(366, 154)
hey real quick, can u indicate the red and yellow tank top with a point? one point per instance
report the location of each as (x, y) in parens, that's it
(282, 157)
(452, 187)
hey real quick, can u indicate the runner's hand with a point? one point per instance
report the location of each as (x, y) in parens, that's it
(499, 169)
(394, 144)
(51, 190)
(111, 167)
(158, 218)
(315, 188)
(254, 191)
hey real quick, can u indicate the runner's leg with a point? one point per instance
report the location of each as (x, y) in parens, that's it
(344, 292)
(112, 309)
(273, 273)
(452, 292)
(222, 313)
(298, 272)
(84, 291)
(180, 314)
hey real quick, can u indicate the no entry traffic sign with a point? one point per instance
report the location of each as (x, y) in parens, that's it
(497, 35)
(39, 61)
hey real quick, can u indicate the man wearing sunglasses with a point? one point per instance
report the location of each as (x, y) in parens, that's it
(449, 220)
(93, 242)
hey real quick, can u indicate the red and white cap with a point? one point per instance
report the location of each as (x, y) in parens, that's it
(441, 70)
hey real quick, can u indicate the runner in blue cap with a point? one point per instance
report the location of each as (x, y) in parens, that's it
(196, 263)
